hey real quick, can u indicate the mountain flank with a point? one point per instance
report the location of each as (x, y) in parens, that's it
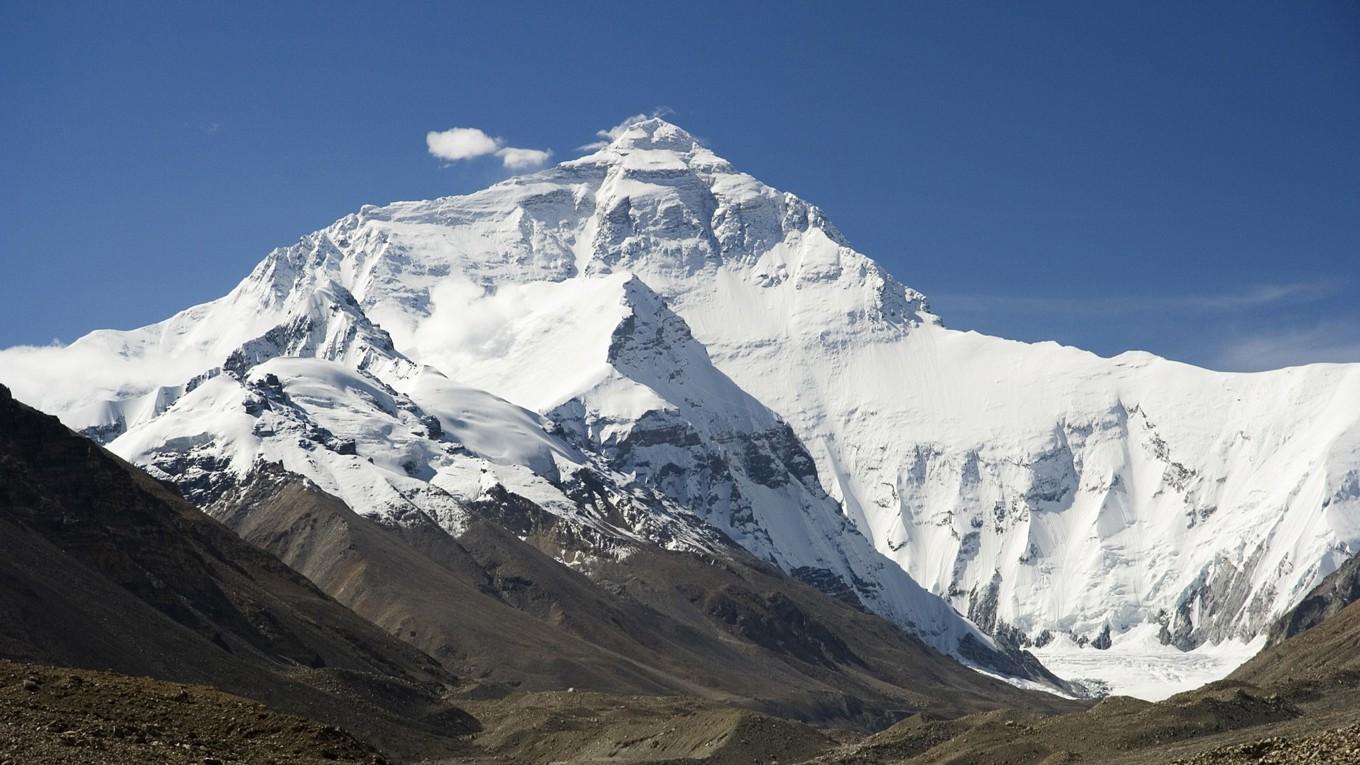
(104, 568)
(495, 607)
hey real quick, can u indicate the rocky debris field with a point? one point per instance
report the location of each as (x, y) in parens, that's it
(1333, 747)
(586, 727)
(80, 717)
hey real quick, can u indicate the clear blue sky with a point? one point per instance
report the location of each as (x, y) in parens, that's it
(1177, 177)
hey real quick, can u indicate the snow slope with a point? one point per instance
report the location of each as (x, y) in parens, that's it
(683, 326)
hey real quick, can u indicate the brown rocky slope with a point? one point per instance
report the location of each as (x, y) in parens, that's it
(497, 608)
(104, 568)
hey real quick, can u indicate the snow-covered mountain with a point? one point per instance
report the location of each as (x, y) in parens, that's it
(718, 353)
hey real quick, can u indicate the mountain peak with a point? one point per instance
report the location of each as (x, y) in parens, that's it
(650, 144)
(651, 133)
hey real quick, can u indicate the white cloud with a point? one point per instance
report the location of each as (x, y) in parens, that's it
(78, 378)
(518, 159)
(459, 143)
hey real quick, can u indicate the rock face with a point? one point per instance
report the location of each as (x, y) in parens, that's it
(1333, 595)
(715, 354)
(1316, 641)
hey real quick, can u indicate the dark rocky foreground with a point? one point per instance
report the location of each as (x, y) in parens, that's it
(1225, 723)
(58, 715)
(1333, 747)
(62, 715)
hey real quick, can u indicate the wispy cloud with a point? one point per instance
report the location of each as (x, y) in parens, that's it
(206, 128)
(518, 159)
(81, 375)
(608, 135)
(461, 143)
(1254, 297)
(1270, 348)
(1247, 329)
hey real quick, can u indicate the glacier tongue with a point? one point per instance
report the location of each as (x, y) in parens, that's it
(680, 328)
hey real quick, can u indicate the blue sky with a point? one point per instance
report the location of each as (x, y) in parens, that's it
(1177, 177)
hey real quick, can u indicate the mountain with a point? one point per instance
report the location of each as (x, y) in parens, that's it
(90, 540)
(104, 568)
(323, 392)
(714, 356)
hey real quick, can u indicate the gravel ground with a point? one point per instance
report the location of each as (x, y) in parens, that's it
(79, 717)
(1334, 747)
